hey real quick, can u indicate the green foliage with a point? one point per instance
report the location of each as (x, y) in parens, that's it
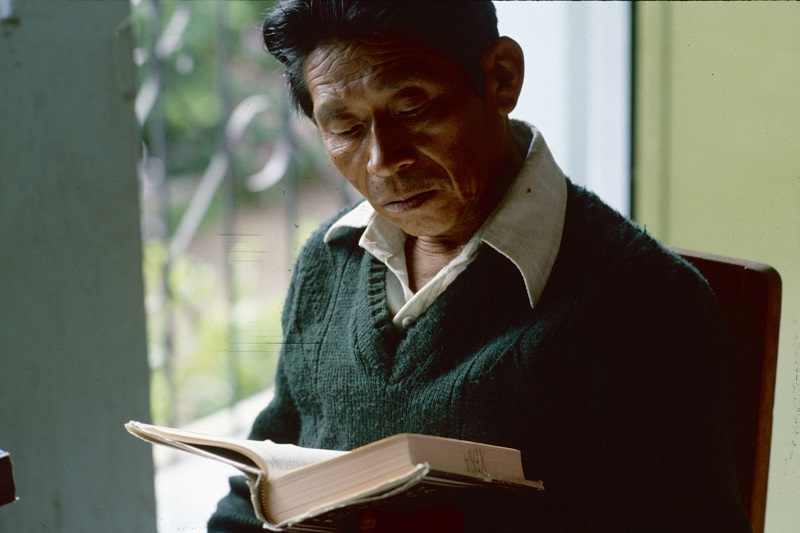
(217, 54)
(214, 334)
(211, 350)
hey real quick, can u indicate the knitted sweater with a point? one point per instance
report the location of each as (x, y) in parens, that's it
(612, 385)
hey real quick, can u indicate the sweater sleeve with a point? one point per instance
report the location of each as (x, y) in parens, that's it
(277, 422)
(655, 451)
(678, 466)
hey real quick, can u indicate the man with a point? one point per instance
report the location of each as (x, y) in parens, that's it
(479, 294)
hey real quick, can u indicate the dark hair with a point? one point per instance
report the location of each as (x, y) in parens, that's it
(459, 30)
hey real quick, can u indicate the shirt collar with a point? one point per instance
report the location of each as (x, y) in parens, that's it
(526, 227)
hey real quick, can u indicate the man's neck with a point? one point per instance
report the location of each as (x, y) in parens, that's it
(424, 259)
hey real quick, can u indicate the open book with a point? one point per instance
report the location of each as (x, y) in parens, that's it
(302, 489)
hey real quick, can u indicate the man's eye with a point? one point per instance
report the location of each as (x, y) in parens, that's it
(349, 132)
(412, 112)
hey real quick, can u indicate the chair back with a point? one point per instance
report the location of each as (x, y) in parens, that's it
(749, 297)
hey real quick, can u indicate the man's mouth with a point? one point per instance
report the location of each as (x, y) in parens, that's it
(412, 202)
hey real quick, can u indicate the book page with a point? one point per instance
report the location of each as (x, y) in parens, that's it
(283, 458)
(251, 457)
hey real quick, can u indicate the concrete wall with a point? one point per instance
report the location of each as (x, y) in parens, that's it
(73, 364)
(717, 167)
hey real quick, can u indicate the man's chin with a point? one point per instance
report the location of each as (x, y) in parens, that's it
(421, 228)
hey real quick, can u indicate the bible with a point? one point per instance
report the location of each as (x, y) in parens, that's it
(304, 489)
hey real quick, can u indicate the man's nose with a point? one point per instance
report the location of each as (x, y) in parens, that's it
(390, 149)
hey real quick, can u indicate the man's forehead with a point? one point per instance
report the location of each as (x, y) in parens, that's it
(386, 63)
(374, 45)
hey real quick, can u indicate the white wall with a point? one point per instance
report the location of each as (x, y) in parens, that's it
(577, 87)
(73, 364)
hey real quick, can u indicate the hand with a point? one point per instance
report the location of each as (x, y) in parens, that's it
(434, 519)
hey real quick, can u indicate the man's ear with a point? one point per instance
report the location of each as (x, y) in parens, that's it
(503, 67)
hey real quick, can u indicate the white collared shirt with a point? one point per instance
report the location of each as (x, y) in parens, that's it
(526, 228)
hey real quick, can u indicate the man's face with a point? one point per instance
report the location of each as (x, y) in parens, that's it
(407, 128)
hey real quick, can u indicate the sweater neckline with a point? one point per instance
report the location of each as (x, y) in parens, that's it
(394, 356)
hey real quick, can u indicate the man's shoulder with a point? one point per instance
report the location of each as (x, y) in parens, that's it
(615, 248)
(321, 265)
(344, 235)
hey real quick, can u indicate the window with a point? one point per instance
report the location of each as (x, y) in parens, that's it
(232, 184)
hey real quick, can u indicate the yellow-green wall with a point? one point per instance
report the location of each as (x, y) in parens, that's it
(717, 166)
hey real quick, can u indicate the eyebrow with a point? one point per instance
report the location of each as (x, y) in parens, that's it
(327, 113)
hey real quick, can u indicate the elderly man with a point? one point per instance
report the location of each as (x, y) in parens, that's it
(477, 293)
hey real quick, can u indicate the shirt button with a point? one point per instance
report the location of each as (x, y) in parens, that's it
(408, 321)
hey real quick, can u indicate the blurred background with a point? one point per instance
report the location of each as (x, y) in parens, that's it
(155, 190)
(232, 185)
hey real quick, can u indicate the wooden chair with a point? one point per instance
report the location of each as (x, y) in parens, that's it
(749, 296)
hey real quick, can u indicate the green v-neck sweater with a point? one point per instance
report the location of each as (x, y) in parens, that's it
(612, 385)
